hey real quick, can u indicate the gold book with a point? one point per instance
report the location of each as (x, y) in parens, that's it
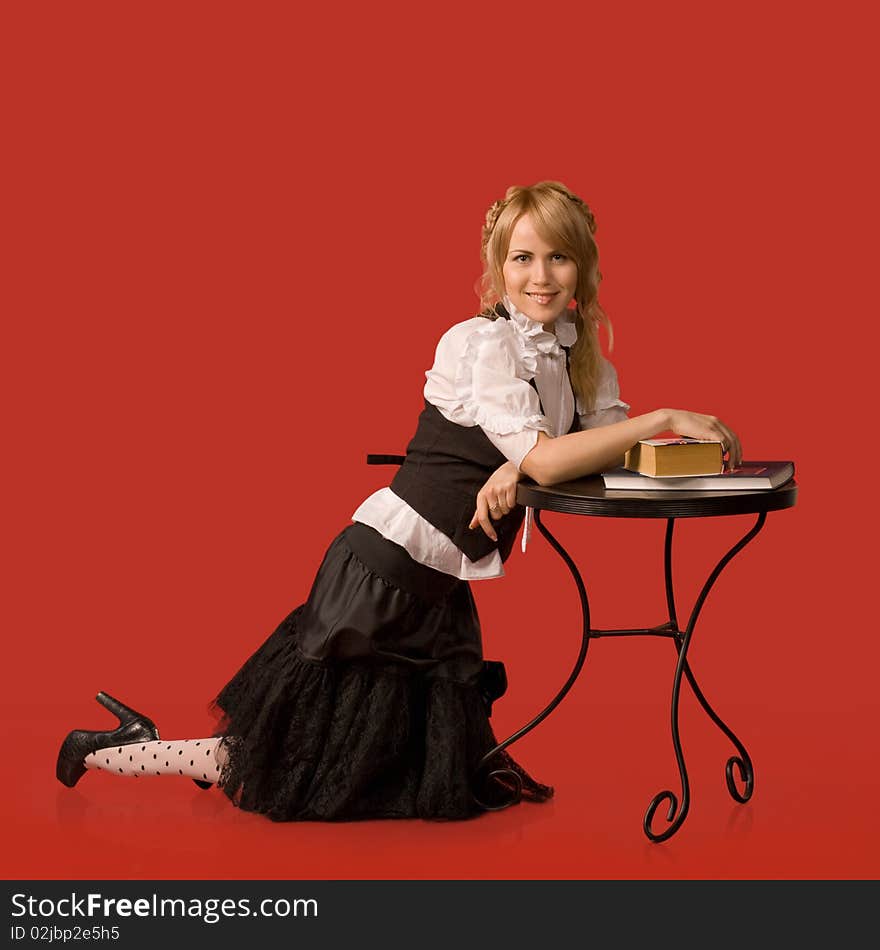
(663, 458)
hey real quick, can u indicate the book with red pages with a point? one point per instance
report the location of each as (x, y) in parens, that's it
(750, 476)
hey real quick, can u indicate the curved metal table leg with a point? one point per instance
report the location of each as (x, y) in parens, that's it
(508, 775)
(676, 813)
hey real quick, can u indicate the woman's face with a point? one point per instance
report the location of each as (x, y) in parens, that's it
(539, 279)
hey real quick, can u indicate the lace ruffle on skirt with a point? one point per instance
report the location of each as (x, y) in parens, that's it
(371, 700)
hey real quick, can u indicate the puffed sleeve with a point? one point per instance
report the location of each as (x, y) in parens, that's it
(491, 380)
(480, 377)
(609, 407)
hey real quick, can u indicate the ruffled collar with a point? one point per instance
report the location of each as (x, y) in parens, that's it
(543, 340)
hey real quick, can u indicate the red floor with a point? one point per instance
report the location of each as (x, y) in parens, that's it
(810, 816)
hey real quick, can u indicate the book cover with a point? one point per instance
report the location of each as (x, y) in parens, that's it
(750, 476)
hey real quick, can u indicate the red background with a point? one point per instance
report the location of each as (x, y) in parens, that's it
(236, 233)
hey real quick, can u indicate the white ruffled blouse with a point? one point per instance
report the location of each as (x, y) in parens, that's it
(481, 376)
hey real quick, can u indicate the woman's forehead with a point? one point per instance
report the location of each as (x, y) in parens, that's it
(526, 235)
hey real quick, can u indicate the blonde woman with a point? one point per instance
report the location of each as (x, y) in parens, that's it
(372, 699)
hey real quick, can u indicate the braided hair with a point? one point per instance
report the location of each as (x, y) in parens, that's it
(564, 219)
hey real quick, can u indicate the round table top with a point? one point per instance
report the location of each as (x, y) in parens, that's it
(588, 496)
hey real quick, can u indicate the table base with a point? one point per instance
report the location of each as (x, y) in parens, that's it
(740, 763)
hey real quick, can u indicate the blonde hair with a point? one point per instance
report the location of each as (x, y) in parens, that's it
(565, 221)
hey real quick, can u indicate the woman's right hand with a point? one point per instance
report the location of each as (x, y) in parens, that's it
(694, 425)
(496, 498)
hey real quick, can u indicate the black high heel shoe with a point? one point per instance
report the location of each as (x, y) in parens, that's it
(133, 727)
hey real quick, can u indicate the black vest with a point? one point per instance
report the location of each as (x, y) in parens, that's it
(446, 465)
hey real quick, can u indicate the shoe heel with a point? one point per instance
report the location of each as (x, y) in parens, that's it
(123, 713)
(133, 726)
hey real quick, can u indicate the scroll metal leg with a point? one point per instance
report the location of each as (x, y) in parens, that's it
(508, 775)
(676, 814)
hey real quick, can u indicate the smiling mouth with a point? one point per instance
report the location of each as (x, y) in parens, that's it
(542, 298)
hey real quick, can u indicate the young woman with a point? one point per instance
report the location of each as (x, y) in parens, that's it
(372, 699)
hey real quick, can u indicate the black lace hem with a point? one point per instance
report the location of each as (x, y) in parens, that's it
(317, 740)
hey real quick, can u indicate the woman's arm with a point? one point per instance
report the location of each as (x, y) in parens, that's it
(596, 450)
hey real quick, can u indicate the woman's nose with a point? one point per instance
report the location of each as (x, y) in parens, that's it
(539, 272)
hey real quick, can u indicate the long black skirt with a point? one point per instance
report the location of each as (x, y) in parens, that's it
(370, 700)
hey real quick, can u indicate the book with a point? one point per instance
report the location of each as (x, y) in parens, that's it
(665, 457)
(750, 476)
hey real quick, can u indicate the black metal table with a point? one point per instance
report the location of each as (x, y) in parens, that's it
(589, 497)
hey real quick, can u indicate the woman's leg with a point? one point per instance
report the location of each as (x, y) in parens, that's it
(199, 759)
(136, 748)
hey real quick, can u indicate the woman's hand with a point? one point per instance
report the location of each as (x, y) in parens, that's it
(693, 425)
(496, 498)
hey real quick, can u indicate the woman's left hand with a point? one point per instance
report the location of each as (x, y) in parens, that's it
(496, 498)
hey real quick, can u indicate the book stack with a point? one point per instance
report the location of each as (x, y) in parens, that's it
(691, 465)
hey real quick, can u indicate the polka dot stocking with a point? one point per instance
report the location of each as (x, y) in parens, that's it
(194, 758)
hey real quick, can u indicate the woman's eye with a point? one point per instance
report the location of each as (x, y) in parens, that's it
(524, 258)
